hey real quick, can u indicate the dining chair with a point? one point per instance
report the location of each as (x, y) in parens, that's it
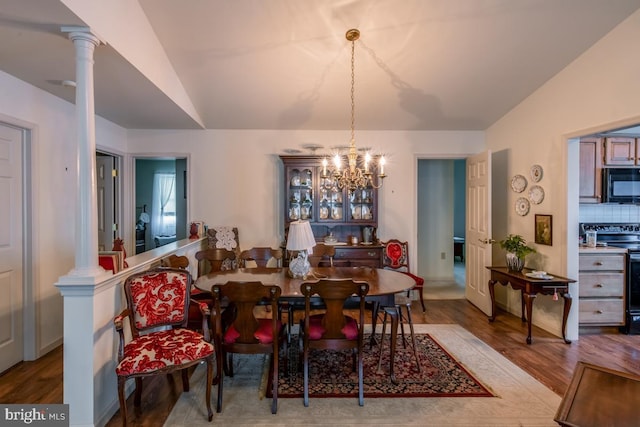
(322, 255)
(238, 330)
(157, 307)
(195, 316)
(261, 257)
(400, 314)
(395, 256)
(215, 259)
(332, 329)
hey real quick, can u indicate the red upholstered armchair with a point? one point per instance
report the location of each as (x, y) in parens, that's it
(396, 257)
(155, 299)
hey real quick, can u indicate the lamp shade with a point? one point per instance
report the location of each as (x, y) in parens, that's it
(300, 237)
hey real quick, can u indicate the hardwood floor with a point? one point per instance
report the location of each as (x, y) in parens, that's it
(548, 359)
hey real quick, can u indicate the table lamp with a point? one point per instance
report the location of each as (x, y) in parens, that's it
(300, 239)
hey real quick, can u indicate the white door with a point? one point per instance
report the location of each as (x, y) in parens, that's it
(105, 165)
(11, 305)
(478, 233)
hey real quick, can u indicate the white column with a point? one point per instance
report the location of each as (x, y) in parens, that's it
(87, 208)
(78, 287)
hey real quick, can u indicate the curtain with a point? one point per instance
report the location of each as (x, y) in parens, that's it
(163, 218)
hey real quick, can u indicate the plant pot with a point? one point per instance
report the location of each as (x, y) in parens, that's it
(514, 263)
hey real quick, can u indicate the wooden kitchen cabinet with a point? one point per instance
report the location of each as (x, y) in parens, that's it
(601, 284)
(591, 170)
(621, 151)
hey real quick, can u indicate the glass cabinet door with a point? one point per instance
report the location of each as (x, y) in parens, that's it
(331, 202)
(300, 194)
(362, 205)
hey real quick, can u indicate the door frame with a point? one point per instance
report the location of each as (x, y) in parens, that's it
(30, 342)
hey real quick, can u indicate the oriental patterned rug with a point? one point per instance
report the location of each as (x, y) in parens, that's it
(518, 399)
(331, 373)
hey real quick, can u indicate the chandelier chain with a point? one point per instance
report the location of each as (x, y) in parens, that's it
(353, 98)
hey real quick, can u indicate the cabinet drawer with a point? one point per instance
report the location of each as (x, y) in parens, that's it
(601, 284)
(601, 262)
(358, 253)
(601, 311)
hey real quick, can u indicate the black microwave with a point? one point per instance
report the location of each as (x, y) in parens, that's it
(621, 185)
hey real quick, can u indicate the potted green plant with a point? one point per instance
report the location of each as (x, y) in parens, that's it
(517, 249)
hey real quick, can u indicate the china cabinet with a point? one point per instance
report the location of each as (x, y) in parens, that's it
(330, 210)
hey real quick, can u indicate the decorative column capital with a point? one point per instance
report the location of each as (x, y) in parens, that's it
(82, 34)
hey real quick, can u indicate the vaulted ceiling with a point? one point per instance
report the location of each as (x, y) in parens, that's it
(285, 64)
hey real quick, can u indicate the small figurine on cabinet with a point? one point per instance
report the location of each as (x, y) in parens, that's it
(193, 231)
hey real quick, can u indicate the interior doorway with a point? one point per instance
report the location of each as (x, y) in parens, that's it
(160, 215)
(441, 217)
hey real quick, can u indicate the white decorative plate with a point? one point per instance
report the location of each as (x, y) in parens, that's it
(518, 183)
(522, 206)
(536, 194)
(536, 173)
(324, 212)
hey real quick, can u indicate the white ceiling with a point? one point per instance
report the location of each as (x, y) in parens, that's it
(285, 64)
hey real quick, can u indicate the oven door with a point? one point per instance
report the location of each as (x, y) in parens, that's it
(633, 283)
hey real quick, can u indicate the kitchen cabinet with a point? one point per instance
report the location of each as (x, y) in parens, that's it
(601, 284)
(591, 170)
(309, 196)
(621, 151)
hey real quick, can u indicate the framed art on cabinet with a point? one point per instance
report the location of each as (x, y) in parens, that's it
(543, 224)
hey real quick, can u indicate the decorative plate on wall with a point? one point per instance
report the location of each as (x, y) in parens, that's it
(536, 173)
(522, 206)
(536, 194)
(518, 183)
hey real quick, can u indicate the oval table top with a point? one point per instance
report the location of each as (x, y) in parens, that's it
(381, 282)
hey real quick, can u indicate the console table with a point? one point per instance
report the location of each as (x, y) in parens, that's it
(530, 287)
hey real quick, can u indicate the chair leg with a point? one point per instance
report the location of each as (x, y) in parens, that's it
(413, 336)
(384, 328)
(209, 383)
(305, 353)
(185, 380)
(274, 381)
(360, 377)
(424, 310)
(138, 396)
(121, 399)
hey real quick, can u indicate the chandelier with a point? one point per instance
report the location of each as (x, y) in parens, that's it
(353, 177)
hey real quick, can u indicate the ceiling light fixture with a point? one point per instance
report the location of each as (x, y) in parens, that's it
(353, 177)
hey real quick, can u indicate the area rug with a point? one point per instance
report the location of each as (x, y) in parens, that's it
(331, 372)
(519, 400)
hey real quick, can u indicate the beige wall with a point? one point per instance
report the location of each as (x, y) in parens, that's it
(598, 91)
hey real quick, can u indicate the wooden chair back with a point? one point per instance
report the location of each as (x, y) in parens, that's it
(322, 255)
(262, 256)
(215, 259)
(395, 255)
(175, 261)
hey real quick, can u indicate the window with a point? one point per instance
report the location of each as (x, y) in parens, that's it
(163, 222)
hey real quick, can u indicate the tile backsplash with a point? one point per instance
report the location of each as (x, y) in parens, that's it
(609, 212)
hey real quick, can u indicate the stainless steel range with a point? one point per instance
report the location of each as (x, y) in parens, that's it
(625, 236)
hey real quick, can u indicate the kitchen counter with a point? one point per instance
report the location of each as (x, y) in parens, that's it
(601, 250)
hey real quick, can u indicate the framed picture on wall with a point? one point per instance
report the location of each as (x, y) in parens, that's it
(543, 229)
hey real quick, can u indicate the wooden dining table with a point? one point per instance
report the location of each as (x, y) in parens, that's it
(383, 285)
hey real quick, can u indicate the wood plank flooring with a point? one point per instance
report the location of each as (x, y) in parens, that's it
(548, 359)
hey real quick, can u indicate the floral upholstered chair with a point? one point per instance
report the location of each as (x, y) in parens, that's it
(155, 299)
(395, 256)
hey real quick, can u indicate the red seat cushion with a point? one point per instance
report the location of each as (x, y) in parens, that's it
(316, 331)
(158, 350)
(419, 280)
(264, 333)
